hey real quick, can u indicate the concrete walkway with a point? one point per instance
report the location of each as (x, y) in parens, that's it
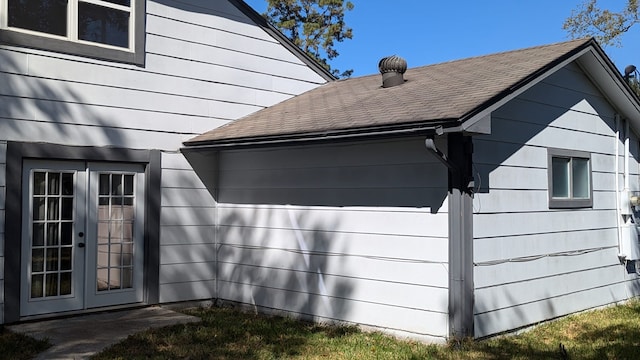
(79, 337)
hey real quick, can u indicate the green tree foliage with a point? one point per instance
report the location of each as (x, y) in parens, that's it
(605, 25)
(313, 25)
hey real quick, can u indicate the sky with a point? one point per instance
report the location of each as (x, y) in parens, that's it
(432, 31)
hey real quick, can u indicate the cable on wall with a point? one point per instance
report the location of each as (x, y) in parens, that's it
(542, 256)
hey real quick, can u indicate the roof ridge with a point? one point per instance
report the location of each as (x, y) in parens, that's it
(475, 57)
(582, 40)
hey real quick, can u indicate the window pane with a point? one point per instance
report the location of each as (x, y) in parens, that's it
(128, 185)
(102, 280)
(67, 184)
(66, 234)
(38, 235)
(67, 208)
(37, 260)
(47, 16)
(54, 183)
(104, 184)
(103, 255)
(39, 183)
(65, 258)
(52, 234)
(580, 179)
(36, 286)
(65, 283)
(51, 285)
(127, 278)
(52, 259)
(103, 25)
(53, 209)
(120, 2)
(38, 208)
(116, 184)
(560, 174)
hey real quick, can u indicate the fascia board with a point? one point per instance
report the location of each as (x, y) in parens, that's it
(609, 81)
(486, 112)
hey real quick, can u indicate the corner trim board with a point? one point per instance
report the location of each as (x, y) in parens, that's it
(461, 287)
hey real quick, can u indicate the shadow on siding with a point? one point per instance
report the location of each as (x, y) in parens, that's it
(300, 230)
(532, 119)
(295, 272)
(47, 110)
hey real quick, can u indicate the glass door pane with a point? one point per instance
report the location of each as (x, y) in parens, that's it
(115, 228)
(52, 233)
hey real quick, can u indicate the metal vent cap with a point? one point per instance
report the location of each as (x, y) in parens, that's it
(392, 68)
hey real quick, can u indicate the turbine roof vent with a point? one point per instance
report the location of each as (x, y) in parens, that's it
(392, 69)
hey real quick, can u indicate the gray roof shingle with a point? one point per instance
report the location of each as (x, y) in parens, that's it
(440, 93)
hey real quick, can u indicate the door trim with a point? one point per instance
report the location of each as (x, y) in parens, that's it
(17, 152)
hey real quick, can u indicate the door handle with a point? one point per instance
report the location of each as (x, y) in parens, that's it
(81, 245)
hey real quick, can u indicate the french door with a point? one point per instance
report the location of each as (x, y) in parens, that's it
(82, 236)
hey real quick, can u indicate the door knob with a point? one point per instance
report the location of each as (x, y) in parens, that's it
(81, 245)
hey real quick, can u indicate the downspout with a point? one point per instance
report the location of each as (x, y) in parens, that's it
(461, 288)
(626, 156)
(216, 228)
(617, 186)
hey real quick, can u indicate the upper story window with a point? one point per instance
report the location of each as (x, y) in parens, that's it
(569, 175)
(104, 29)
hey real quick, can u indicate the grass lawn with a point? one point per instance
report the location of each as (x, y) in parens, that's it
(18, 346)
(611, 333)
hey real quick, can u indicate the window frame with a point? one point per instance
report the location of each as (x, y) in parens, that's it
(570, 201)
(69, 45)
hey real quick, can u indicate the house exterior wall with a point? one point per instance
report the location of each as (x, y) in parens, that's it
(3, 191)
(533, 263)
(353, 232)
(206, 64)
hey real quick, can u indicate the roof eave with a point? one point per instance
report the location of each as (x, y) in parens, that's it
(416, 129)
(598, 67)
(485, 109)
(604, 74)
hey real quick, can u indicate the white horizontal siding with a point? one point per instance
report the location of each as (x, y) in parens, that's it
(416, 323)
(351, 232)
(345, 220)
(547, 308)
(538, 244)
(99, 118)
(187, 250)
(227, 17)
(549, 286)
(187, 291)
(172, 98)
(224, 57)
(533, 263)
(206, 64)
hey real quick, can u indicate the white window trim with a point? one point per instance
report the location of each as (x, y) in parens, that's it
(70, 44)
(569, 202)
